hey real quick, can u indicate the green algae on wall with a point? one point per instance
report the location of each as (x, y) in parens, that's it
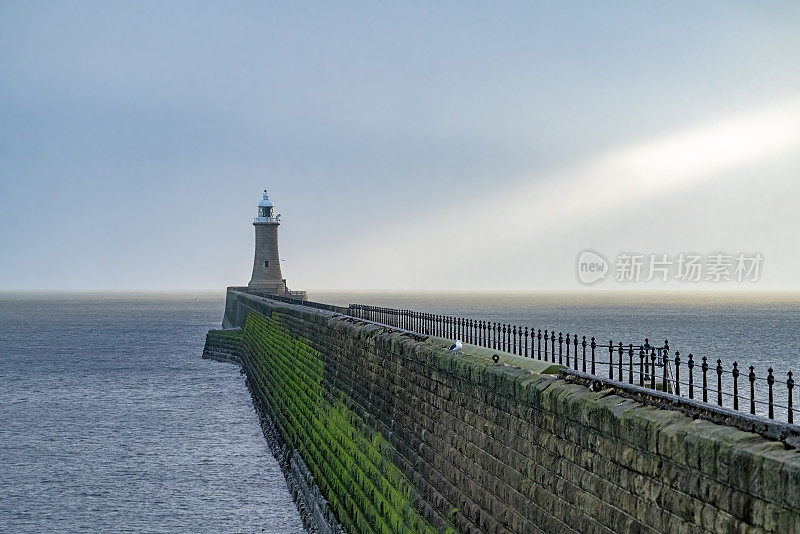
(350, 461)
(495, 447)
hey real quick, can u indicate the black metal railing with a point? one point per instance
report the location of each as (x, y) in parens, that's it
(647, 365)
(644, 364)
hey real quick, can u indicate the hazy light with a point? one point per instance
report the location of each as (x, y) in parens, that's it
(632, 175)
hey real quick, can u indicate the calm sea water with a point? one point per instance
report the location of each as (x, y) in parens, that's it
(110, 421)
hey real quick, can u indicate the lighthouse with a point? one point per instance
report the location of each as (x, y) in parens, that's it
(267, 276)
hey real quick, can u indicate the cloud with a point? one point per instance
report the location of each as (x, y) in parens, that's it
(423, 253)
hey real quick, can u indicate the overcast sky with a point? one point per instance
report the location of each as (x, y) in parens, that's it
(430, 145)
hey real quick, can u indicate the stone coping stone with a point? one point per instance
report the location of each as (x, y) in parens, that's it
(505, 358)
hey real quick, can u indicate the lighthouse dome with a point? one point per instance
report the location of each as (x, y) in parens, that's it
(265, 201)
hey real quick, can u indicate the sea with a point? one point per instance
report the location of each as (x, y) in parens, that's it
(110, 420)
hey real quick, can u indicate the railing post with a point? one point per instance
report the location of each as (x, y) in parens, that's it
(575, 346)
(514, 340)
(553, 345)
(704, 367)
(583, 344)
(719, 382)
(567, 349)
(545, 345)
(611, 359)
(690, 365)
(503, 337)
(560, 352)
(752, 378)
(677, 373)
(789, 387)
(770, 381)
(539, 348)
(494, 335)
(641, 366)
(593, 346)
(501, 331)
(500, 328)
(630, 363)
(735, 374)
(665, 362)
(653, 368)
(620, 352)
(526, 342)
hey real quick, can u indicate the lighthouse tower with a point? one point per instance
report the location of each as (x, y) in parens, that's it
(266, 263)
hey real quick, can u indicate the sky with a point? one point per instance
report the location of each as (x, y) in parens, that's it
(421, 145)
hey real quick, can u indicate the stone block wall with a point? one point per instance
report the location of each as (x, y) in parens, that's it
(402, 435)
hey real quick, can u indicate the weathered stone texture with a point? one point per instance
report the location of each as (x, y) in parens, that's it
(494, 448)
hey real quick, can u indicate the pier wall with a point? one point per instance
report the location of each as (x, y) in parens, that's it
(398, 434)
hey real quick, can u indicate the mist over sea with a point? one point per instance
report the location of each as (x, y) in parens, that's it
(110, 420)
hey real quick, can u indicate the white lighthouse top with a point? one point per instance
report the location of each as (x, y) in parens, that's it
(265, 201)
(266, 211)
